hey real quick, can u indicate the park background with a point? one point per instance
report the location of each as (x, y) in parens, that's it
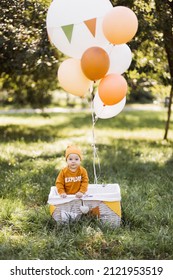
(38, 120)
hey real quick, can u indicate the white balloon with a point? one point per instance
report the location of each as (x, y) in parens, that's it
(105, 111)
(63, 12)
(67, 12)
(120, 57)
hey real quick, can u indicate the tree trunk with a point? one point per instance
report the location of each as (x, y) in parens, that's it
(166, 25)
(169, 115)
(168, 38)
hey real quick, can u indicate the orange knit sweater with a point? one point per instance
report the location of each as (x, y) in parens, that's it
(72, 182)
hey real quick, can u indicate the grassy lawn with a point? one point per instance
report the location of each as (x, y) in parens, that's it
(131, 152)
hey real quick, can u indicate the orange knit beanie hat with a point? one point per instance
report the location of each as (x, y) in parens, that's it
(73, 150)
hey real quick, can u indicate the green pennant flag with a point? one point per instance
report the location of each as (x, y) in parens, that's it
(68, 30)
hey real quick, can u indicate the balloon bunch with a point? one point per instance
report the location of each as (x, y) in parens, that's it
(93, 34)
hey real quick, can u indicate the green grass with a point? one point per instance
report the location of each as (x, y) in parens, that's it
(131, 152)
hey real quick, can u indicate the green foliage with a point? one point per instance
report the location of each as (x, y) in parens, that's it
(131, 153)
(28, 62)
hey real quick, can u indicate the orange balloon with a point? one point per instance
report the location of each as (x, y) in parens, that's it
(95, 63)
(112, 89)
(120, 25)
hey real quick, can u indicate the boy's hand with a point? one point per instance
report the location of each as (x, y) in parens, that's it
(79, 194)
(63, 195)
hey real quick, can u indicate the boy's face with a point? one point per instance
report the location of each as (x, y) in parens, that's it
(73, 162)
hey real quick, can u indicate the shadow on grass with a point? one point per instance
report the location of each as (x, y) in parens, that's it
(130, 120)
(32, 184)
(146, 187)
(27, 182)
(29, 133)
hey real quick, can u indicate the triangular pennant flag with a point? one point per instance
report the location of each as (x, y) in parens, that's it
(68, 30)
(91, 24)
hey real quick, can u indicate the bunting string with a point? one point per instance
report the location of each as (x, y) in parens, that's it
(68, 28)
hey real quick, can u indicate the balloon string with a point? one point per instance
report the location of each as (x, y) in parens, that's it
(95, 154)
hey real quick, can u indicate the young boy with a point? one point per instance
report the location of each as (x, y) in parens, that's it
(72, 179)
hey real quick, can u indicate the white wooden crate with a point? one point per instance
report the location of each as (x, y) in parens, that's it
(103, 200)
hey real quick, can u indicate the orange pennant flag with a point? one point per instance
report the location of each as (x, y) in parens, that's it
(91, 24)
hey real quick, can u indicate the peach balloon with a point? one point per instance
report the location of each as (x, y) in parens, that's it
(112, 89)
(71, 77)
(120, 25)
(95, 63)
